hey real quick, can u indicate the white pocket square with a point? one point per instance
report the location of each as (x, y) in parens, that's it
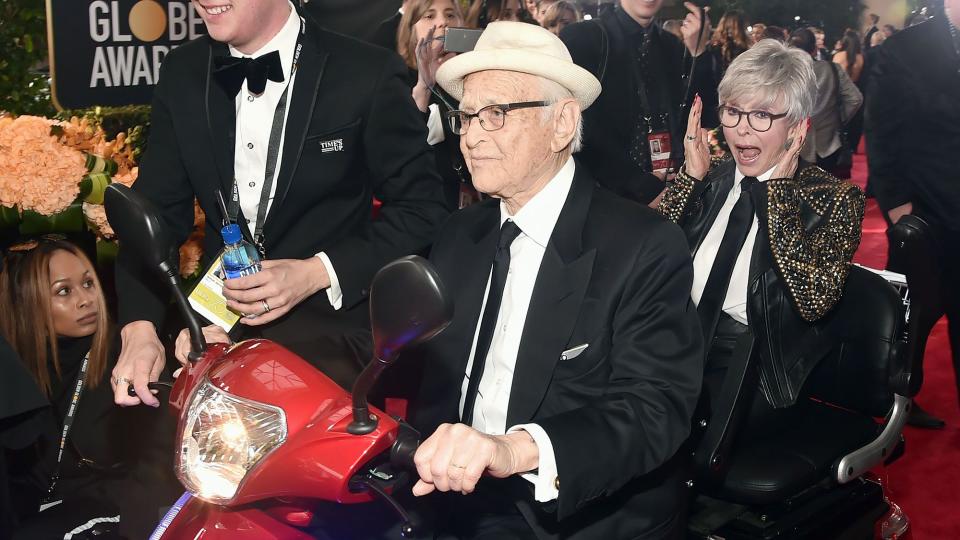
(574, 352)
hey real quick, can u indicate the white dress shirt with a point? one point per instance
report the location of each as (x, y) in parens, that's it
(735, 303)
(536, 220)
(254, 119)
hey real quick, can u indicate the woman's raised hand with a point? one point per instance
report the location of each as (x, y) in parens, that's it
(696, 147)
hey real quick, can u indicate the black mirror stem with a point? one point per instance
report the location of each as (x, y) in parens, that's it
(197, 343)
(363, 421)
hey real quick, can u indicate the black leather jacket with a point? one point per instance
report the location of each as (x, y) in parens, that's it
(810, 227)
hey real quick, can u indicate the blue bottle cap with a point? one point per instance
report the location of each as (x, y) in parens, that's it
(231, 234)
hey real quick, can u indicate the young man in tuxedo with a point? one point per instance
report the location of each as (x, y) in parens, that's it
(299, 129)
(913, 126)
(569, 374)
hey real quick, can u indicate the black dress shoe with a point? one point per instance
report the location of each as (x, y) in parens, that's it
(922, 419)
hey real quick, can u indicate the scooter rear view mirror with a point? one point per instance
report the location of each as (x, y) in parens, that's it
(137, 224)
(408, 306)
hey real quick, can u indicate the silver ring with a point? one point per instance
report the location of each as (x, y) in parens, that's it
(691, 138)
(266, 306)
(120, 380)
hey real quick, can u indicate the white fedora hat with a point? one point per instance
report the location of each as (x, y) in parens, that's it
(525, 48)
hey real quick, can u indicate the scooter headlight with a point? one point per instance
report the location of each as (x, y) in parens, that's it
(225, 436)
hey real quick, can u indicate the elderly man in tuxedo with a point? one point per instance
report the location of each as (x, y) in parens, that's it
(558, 398)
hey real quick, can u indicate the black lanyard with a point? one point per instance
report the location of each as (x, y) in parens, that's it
(273, 149)
(68, 423)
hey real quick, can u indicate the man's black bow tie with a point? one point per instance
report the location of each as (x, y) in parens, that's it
(230, 72)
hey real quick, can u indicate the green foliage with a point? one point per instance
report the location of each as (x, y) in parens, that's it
(834, 16)
(24, 83)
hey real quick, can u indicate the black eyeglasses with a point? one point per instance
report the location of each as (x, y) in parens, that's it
(491, 117)
(759, 120)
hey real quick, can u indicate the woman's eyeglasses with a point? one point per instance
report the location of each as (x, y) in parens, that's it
(759, 120)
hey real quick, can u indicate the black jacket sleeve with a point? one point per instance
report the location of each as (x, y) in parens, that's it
(404, 180)
(163, 180)
(885, 111)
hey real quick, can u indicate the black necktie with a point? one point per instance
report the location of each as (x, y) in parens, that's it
(491, 310)
(715, 290)
(230, 72)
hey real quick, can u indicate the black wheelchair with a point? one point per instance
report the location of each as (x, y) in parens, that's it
(801, 472)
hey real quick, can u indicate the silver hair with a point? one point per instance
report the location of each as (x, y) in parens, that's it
(554, 92)
(771, 71)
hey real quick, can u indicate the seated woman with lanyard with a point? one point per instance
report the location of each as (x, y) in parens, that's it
(90, 465)
(772, 237)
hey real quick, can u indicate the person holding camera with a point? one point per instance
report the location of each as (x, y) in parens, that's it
(422, 43)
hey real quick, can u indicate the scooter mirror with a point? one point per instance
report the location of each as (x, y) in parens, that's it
(407, 306)
(137, 224)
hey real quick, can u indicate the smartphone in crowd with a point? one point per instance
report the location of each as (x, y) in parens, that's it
(460, 40)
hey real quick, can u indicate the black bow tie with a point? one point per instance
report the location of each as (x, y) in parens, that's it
(230, 72)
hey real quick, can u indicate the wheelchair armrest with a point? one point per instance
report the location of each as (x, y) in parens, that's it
(736, 396)
(857, 462)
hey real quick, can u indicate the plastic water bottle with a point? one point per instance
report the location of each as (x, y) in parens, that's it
(240, 258)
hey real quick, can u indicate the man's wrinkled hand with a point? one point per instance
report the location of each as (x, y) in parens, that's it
(277, 288)
(211, 333)
(141, 361)
(456, 456)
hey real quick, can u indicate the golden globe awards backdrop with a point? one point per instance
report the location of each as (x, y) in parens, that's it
(109, 52)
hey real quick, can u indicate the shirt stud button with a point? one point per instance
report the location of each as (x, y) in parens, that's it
(250, 145)
(250, 97)
(252, 184)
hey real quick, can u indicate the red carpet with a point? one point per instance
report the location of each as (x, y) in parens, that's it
(925, 482)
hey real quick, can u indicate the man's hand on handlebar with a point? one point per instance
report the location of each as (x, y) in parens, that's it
(456, 456)
(212, 334)
(141, 361)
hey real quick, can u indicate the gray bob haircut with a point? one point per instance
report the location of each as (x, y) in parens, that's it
(772, 71)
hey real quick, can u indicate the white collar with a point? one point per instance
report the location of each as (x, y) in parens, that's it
(285, 42)
(537, 218)
(738, 176)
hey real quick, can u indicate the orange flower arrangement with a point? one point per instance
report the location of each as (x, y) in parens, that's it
(43, 161)
(37, 172)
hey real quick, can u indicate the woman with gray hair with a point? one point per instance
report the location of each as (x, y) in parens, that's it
(772, 236)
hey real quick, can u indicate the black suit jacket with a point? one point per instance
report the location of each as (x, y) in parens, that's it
(386, 33)
(344, 90)
(609, 123)
(913, 123)
(616, 276)
(809, 230)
